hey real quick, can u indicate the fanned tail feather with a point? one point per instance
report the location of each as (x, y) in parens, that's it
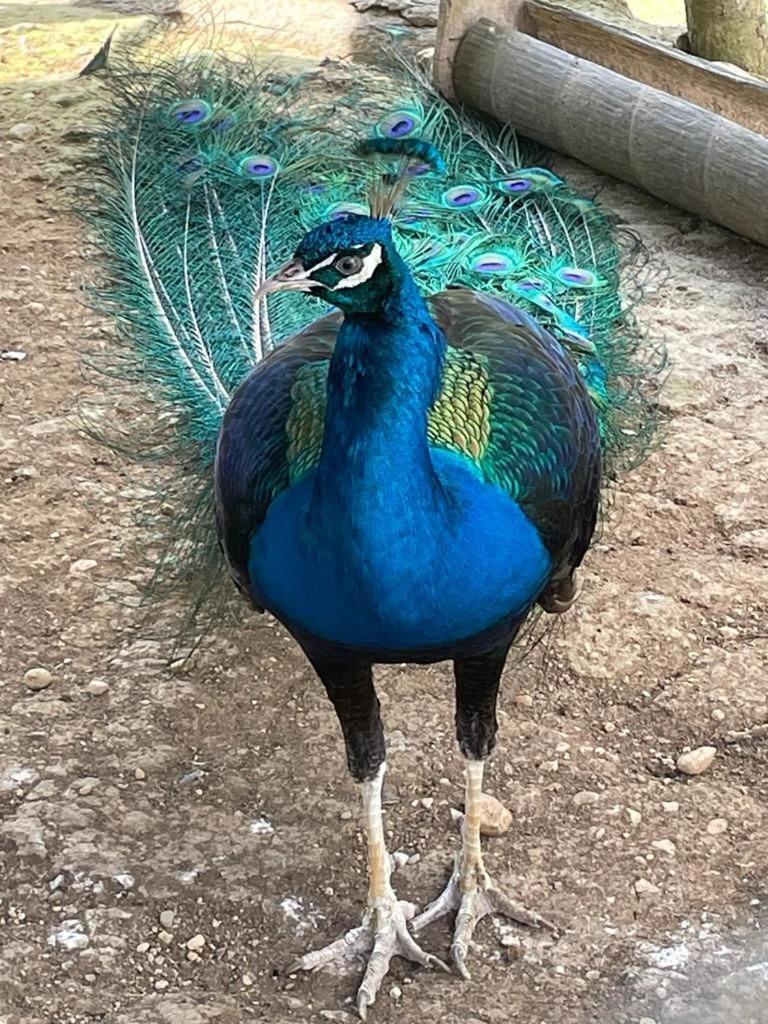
(211, 169)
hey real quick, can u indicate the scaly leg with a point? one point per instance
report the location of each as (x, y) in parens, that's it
(383, 933)
(470, 890)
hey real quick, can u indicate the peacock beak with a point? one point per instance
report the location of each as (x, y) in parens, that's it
(292, 276)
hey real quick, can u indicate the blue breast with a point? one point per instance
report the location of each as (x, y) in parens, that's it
(399, 583)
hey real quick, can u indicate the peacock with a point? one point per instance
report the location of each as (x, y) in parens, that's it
(394, 373)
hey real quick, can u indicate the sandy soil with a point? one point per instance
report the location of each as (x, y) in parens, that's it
(216, 791)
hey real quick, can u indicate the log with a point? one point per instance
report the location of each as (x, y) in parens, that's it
(675, 150)
(735, 31)
(722, 90)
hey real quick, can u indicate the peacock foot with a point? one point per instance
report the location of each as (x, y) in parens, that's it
(472, 893)
(382, 935)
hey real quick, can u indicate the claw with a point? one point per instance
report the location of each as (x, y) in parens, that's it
(383, 935)
(472, 906)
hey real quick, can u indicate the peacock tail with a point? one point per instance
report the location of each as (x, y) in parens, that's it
(210, 170)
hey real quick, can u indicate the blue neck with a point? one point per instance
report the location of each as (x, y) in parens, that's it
(384, 376)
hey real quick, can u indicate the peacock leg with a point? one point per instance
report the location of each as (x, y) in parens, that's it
(470, 890)
(383, 933)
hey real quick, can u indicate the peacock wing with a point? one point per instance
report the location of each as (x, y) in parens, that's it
(515, 403)
(271, 433)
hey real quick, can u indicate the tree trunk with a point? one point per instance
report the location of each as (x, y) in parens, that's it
(732, 31)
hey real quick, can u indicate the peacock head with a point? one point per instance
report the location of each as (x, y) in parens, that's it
(351, 263)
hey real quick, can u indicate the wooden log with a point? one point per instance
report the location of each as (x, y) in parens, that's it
(454, 19)
(722, 90)
(673, 149)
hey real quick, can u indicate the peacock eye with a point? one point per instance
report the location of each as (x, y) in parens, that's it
(348, 265)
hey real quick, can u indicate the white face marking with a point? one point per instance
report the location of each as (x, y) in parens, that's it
(365, 273)
(323, 263)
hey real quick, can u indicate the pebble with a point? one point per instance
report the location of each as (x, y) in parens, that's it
(645, 888)
(196, 942)
(346, 815)
(495, 819)
(427, 802)
(165, 937)
(695, 762)
(37, 679)
(192, 956)
(140, 774)
(665, 846)
(585, 797)
(717, 826)
(525, 700)
(670, 806)
(97, 688)
(247, 980)
(161, 984)
(82, 565)
(634, 816)
(142, 947)
(400, 858)
(396, 992)
(86, 786)
(647, 1020)
(22, 130)
(167, 918)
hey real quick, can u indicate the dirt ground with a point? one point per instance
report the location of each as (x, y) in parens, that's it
(214, 792)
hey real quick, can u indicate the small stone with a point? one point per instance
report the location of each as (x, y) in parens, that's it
(525, 700)
(495, 819)
(22, 130)
(717, 826)
(414, 858)
(550, 766)
(509, 940)
(645, 888)
(400, 858)
(82, 565)
(427, 802)
(167, 918)
(161, 985)
(97, 687)
(247, 980)
(125, 880)
(196, 942)
(664, 846)
(444, 781)
(165, 937)
(670, 806)
(192, 956)
(695, 762)
(37, 679)
(142, 947)
(647, 1020)
(634, 816)
(86, 786)
(395, 993)
(584, 798)
(140, 774)
(718, 714)
(346, 815)
(609, 727)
